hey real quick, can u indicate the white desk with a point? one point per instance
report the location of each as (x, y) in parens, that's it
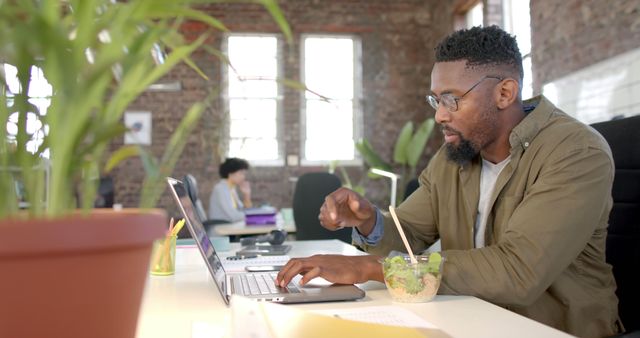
(176, 306)
(240, 228)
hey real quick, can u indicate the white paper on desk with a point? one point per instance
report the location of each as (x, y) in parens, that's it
(247, 319)
(385, 314)
(240, 264)
(207, 330)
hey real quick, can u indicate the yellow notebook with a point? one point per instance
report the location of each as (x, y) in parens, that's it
(257, 319)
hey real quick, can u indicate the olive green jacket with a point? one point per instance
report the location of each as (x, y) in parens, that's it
(545, 253)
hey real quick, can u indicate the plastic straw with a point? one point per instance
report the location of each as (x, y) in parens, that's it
(404, 238)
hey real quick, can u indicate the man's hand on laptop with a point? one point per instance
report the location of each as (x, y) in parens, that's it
(334, 268)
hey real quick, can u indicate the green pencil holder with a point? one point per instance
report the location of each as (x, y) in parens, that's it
(163, 256)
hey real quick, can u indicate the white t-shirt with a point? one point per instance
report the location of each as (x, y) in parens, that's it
(488, 178)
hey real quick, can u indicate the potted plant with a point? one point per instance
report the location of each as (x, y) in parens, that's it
(407, 151)
(70, 273)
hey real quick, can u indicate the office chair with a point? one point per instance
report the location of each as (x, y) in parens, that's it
(106, 193)
(191, 185)
(412, 186)
(623, 239)
(310, 191)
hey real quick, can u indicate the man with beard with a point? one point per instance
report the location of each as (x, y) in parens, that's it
(519, 195)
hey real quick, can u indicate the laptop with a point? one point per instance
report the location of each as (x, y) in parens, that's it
(255, 285)
(260, 215)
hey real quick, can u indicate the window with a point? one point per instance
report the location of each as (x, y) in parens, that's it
(473, 17)
(331, 110)
(517, 20)
(252, 98)
(468, 14)
(39, 93)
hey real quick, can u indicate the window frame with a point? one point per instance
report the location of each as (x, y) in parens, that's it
(461, 11)
(357, 100)
(509, 25)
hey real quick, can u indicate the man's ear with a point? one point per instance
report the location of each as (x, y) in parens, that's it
(507, 93)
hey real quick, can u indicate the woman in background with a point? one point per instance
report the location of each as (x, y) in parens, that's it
(225, 203)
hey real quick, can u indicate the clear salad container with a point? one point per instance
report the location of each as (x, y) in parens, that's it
(413, 283)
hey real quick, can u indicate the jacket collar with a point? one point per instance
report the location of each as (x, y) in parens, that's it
(538, 111)
(524, 133)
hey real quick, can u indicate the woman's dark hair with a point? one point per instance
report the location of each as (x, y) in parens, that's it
(231, 165)
(481, 46)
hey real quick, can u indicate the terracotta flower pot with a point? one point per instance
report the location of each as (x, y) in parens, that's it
(78, 276)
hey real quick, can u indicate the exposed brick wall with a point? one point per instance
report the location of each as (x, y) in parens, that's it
(397, 47)
(397, 41)
(568, 35)
(167, 109)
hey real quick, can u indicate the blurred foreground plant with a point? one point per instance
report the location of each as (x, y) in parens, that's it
(98, 56)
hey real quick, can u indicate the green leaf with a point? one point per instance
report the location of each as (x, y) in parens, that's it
(152, 186)
(400, 149)
(103, 136)
(359, 189)
(149, 163)
(278, 16)
(434, 262)
(373, 176)
(218, 54)
(7, 183)
(293, 84)
(370, 156)
(120, 155)
(419, 140)
(195, 67)
(188, 13)
(87, 99)
(176, 56)
(89, 185)
(85, 31)
(345, 177)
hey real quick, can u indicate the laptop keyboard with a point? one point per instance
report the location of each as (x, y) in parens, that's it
(260, 284)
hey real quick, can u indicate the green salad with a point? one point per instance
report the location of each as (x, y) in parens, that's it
(398, 273)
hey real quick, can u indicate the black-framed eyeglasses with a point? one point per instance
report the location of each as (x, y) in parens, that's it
(450, 101)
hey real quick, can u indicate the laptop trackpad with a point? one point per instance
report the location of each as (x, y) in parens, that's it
(317, 282)
(316, 285)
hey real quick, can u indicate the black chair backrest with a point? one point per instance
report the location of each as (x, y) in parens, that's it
(623, 240)
(311, 189)
(411, 187)
(191, 186)
(106, 193)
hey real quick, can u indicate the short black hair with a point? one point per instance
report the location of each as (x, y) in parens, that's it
(481, 46)
(231, 165)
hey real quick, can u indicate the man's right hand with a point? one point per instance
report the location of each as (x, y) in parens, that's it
(345, 208)
(334, 268)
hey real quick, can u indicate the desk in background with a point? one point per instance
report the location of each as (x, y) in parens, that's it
(241, 228)
(182, 304)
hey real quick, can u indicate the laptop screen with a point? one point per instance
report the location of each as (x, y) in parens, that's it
(198, 232)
